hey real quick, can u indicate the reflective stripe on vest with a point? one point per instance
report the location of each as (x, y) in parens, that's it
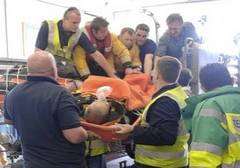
(166, 156)
(216, 156)
(198, 146)
(97, 147)
(208, 112)
(54, 44)
(163, 155)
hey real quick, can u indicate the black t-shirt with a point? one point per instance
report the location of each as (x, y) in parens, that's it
(40, 109)
(42, 38)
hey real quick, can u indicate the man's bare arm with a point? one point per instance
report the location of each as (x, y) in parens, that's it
(75, 135)
(148, 63)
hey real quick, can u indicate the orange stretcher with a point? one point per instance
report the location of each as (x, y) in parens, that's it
(135, 90)
(107, 131)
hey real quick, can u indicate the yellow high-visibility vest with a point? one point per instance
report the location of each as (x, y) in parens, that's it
(168, 155)
(96, 147)
(54, 44)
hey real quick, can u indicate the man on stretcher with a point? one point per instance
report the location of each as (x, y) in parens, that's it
(97, 112)
(133, 92)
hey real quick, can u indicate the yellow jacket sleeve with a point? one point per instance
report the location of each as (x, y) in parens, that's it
(119, 50)
(80, 62)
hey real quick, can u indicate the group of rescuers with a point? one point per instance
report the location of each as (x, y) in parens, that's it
(47, 118)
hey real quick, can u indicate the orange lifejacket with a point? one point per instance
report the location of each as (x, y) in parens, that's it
(104, 46)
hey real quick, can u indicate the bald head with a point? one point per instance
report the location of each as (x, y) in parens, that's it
(97, 112)
(42, 63)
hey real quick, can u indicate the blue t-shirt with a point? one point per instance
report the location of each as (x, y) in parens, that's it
(149, 47)
(40, 109)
